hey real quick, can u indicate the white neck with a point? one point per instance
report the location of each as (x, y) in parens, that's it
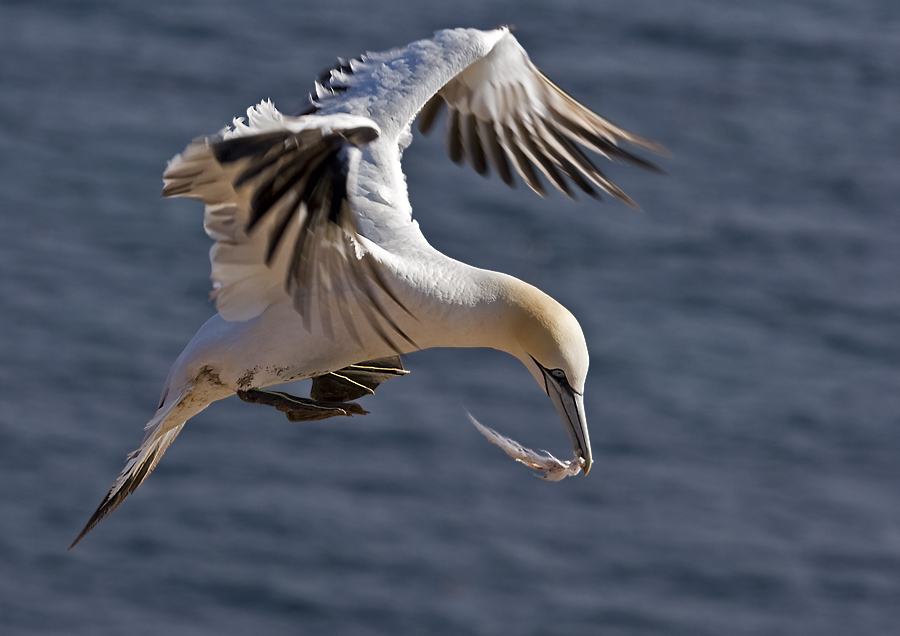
(487, 309)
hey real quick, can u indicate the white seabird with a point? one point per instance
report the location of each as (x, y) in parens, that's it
(318, 264)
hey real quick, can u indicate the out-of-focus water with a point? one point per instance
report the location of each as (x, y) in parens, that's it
(744, 331)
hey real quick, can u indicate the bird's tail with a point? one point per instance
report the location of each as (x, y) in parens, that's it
(161, 431)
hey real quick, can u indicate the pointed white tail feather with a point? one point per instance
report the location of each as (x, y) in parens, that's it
(161, 432)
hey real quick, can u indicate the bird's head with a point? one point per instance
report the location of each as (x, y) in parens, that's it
(549, 342)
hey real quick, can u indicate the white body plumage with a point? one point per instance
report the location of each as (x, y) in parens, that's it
(318, 263)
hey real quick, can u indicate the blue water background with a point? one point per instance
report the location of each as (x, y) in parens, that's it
(744, 394)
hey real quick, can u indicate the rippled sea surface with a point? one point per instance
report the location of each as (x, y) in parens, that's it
(744, 395)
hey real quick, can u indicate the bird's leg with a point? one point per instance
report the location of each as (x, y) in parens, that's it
(299, 409)
(331, 392)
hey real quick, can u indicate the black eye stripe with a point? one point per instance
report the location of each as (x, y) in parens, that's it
(556, 374)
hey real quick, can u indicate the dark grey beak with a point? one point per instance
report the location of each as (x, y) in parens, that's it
(570, 406)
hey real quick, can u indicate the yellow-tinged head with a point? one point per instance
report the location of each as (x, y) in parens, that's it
(548, 340)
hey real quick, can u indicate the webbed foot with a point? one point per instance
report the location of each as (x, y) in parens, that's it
(330, 392)
(299, 409)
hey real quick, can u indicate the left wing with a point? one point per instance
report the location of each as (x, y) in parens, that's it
(277, 205)
(504, 110)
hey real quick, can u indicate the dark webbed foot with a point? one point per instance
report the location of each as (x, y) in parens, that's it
(299, 409)
(331, 392)
(357, 380)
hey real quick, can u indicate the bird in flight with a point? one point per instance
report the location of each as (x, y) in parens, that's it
(319, 269)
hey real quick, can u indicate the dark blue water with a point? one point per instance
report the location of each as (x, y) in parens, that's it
(744, 395)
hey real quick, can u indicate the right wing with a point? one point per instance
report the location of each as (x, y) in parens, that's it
(277, 205)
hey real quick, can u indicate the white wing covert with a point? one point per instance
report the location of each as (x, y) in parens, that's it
(277, 205)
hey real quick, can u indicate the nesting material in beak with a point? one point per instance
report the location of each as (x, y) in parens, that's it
(553, 469)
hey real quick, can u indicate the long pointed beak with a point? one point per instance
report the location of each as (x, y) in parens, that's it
(570, 406)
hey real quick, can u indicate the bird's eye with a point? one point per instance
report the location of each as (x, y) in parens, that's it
(559, 374)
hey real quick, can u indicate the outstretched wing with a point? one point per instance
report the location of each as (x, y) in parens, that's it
(504, 113)
(277, 203)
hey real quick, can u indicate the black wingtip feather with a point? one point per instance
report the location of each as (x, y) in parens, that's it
(429, 113)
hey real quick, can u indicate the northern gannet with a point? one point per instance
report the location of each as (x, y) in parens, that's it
(318, 264)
